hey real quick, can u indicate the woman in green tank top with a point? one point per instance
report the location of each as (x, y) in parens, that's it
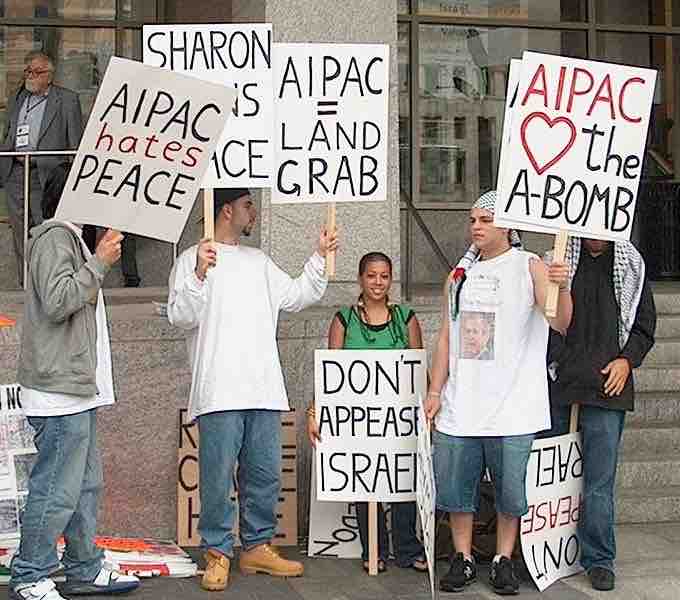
(374, 323)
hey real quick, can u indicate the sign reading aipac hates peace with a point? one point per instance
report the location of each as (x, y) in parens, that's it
(146, 147)
(578, 129)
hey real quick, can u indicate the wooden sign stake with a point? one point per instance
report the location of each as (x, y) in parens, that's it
(330, 228)
(372, 538)
(553, 295)
(208, 214)
(573, 420)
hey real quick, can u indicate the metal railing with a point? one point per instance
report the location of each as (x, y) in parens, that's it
(26, 156)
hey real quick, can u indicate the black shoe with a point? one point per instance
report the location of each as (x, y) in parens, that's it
(503, 578)
(602, 579)
(461, 573)
(132, 282)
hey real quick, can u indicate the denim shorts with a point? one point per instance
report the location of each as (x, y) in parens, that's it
(460, 461)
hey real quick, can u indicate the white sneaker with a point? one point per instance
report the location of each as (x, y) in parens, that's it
(42, 590)
(109, 580)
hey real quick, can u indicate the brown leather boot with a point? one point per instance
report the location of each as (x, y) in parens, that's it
(266, 559)
(216, 574)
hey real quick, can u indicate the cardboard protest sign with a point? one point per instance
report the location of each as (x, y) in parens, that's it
(17, 456)
(333, 527)
(548, 531)
(146, 147)
(426, 495)
(188, 491)
(367, 411)
(330, 135)
(238, 56)
(575, 147)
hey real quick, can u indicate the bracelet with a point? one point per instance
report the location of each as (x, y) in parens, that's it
(434, 393)
(311, 412)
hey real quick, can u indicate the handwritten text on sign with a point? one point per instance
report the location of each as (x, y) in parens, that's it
(145, 149)
(367, 410)
(331, 122)
(238, 56)
(580, 128)
(548, 531)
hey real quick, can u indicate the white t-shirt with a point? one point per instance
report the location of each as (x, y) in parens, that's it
(37, 403)
(232, 319)
(497, 384)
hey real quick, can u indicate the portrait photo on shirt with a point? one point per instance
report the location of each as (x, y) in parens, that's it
(477, 331)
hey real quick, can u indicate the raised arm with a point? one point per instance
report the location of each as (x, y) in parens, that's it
(558, 273)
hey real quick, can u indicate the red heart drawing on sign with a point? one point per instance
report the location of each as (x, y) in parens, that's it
(550, 123)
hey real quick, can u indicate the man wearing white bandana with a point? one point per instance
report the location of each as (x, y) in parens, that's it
(489, 405)
(611, 333)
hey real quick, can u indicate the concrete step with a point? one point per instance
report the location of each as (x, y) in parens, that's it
(648, 505)
(664, 378)
(666, 351)
(659, 438)
(667, 326)
(656, 407)
(648, 470)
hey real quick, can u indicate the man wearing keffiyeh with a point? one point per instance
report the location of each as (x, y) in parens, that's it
(611, 332)
(489, 404)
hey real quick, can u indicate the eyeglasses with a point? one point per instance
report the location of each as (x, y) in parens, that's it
(35, 72)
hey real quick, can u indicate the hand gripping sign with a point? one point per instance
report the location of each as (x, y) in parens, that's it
(146, 147)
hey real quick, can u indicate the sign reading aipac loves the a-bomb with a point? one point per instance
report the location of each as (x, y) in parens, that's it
(578, 130)
(146, 147)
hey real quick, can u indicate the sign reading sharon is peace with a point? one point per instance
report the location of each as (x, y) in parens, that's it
(145, 150)
(367, 413)
(577, 130)
(330, 140)
(238, 56)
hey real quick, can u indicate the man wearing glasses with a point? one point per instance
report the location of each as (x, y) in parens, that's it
(42, 116)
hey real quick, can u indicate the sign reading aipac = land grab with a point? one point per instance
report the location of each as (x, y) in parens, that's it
(578, 129)
(330, 133)
(146, 147)
(367, 412)
(238, 56)
(548, 531)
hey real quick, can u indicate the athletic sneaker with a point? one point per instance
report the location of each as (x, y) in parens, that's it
(108, 581)
(461, 573)
(503, 578)
(41, 590)
(602, 579)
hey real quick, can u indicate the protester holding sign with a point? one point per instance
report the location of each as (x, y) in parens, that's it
(376, 324)
(65, 373)
(611, 333)
(489, 403)
(229, 297)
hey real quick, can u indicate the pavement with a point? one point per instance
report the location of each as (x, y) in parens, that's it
(648, 568)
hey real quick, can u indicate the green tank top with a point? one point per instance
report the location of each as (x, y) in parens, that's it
(392, 335)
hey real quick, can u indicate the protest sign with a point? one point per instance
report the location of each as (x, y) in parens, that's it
(367, 411)
(238, 56)
(333, 526)
(425, 496)
(330, 134)
(575, 147)
(548, 531)
(188, 491)
(17, 456)
(146, 147)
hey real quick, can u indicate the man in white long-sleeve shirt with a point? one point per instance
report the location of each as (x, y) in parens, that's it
(229, 297)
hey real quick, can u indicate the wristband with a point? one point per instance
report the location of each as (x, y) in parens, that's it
(434, 393)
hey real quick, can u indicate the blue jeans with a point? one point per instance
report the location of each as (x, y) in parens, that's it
(459, 464)
(253, 438)
(63, 490)
(601, 430)
(407, 547)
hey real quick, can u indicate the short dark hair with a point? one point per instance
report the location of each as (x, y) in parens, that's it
(54, 186)
(373, 257)
(224, 196)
